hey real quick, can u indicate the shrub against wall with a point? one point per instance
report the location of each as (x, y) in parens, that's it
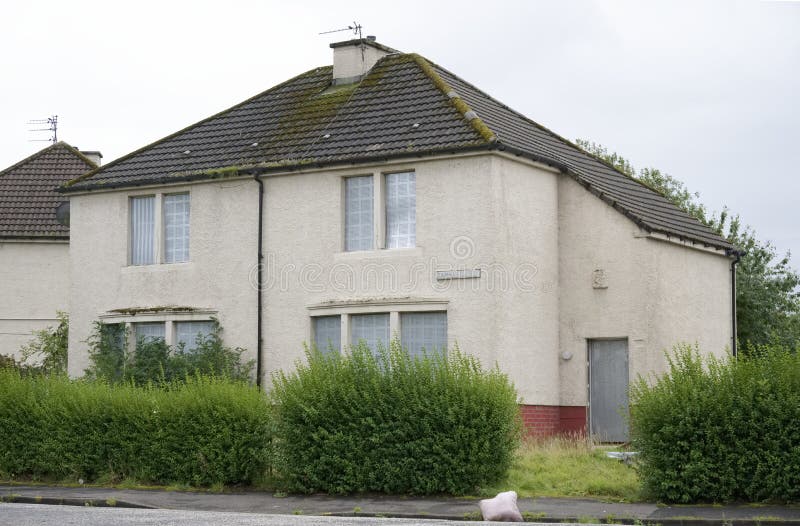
(46, 353)
(720, 430)
(201, 432)
(392, 423)
(155, 361)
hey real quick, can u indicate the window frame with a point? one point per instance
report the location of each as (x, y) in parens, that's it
(314, 336)
(159, 228)
(388, 236)
(169, 318)
(346, 310)
(132, 240)
(190, 346)
(188, 227)
(380, 239)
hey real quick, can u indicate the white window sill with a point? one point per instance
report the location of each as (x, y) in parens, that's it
(156, 267)
(381, 253)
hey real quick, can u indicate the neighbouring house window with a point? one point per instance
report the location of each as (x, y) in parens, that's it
(188, 333)
(358, 213)
(372, 328)
(327, 333)
(149, 332)
(176, 228)
(423, 331)
(401, 210)
(143, 230)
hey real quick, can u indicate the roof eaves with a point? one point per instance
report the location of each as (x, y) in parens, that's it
(274, 167)
(30, 237)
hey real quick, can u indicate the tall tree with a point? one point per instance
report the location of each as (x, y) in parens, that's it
(767, 287)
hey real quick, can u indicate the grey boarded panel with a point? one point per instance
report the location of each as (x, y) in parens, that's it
(608, 389)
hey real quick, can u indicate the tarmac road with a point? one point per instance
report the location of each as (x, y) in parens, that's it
(37, 514)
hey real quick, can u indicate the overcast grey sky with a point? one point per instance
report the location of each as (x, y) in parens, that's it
(706, 91)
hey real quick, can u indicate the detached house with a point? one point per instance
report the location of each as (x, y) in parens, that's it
(385, 196)
(34, 243)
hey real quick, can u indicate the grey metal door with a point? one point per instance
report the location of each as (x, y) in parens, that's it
(608, 390)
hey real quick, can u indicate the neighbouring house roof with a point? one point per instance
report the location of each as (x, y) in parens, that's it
(405, 107)
(28, 197)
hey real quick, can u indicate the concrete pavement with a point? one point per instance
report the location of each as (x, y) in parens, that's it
(535, 510)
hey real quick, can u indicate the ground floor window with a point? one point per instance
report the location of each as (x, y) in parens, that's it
(373, 329)
(190, 333)
(418, 331)
(423, 331)
(149, 332)
(328, 333)
(179, 334)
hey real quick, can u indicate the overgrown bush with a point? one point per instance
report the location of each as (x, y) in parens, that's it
(202, 431)
(393, 423)
(8, 361)
(720, 430)
(155, 361)
(47, 352)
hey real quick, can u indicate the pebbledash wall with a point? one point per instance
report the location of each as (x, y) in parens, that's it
(34, 286)
(224, 226)
(533, 236)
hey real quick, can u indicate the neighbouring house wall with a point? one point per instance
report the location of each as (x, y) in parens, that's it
(223, 251)
(659, 293)
(481, 212)
(34, 285)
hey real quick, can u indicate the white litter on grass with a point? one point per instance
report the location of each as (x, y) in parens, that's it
(626, 457)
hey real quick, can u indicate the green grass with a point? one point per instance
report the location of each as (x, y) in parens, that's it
(568, 467)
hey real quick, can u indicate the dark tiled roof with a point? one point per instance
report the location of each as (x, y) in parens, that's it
(405, 107)
(28, 197)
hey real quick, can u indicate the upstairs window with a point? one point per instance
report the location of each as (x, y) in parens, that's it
(359, 213)
(176, 228)
(159, 229)
(401, 210)
(143, 220)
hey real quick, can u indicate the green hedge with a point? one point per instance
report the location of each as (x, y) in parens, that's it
(394, 424)
(720, 430)
(202, 431)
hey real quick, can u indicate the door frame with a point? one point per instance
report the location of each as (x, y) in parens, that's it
(589, 374)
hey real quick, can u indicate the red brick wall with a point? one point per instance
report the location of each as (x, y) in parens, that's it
(544, 420)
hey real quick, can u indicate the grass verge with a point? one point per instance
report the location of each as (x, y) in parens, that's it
(569, 467)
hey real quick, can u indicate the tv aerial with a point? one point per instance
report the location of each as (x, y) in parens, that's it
(52, 126)
(355, 28)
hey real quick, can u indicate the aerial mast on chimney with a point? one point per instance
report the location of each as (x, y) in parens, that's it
(355, 28)
(52, 126)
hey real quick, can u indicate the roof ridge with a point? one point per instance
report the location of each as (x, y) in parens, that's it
(34, 156)
(100, 169)
(460, 104)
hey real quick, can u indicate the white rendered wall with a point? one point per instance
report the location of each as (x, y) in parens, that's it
(483, 213)
(34, 285)
(659, 294)
(223, 223)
